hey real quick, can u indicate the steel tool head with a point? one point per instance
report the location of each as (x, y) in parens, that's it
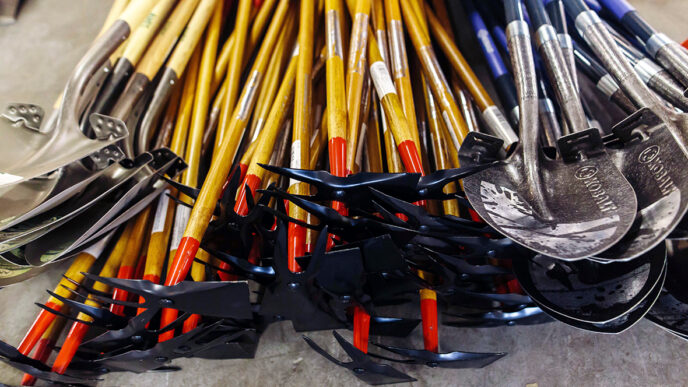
(623, 322)
(362, 366)
(111, 180)
(671, 308)
(588, 291)
(651, 147)
(654, 162)
(529, 315)
(112, 208)
(12, 357)
(570, 207)
(29, 153)
(456, 359)
(27, 199)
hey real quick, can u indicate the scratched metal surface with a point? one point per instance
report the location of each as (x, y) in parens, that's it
(37, 54)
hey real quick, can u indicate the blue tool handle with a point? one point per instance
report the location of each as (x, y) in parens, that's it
(538, 14)
(618, 8)
(555, 10)
(630, 18)
(494, 60)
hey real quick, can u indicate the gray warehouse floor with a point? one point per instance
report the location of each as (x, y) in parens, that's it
(36, 56)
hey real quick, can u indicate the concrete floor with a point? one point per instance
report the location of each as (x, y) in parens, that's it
(38, 53)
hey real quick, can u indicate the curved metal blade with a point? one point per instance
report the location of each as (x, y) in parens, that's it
(22, 201)
(587, 291)
(654, 164)
(111, 180)
(591, 204)
(623, 322)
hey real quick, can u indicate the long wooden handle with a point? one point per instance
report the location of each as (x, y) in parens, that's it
(192, 34)
(169, 33)
(144, 33)
(136, 11)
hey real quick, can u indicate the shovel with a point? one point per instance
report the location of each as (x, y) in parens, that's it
(648, 147)
(528, 196)
(588, 291)
(65, 239)
(29, 154)
(20, 202)
(109, 181)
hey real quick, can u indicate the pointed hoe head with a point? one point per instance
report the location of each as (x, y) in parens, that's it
(571, 208)
(362, 365)
(352, 188)
(456, 359)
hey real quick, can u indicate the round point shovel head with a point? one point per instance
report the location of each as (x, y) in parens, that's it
(590, 204)
(655, 165)
(623, 322)
(588, 291)
(671, 309)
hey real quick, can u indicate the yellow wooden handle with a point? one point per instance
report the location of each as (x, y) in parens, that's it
(143, 34)
(192, 34)
(136, 11)
(164, 41)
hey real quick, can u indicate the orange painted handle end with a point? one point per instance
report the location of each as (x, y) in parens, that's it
(428, 310)
(69, 347)
(337, 151)
(39, 326)
(241, 205)
(43, 349)
(361, 329)
(191, 323)
(125, 272)
(297, 246)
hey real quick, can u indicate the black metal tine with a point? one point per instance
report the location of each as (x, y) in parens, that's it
(60, 314)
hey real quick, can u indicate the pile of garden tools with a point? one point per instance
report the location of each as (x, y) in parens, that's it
(214, 166)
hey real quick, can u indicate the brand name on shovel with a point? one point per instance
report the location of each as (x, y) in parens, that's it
(588, 175)
(650, 158)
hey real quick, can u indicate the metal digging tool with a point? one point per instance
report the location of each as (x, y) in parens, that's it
(28, 154)
(530, 197)
(78, 230)
(20, 202)
(648, 147)
(672, 305)
(109, 181)
(588, 291)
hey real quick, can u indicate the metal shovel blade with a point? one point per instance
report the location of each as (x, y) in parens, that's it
(589, 291)
(655, 165)
(108, 182)
(20, 202)
(585, 206)
(77, 230)
(28, 153)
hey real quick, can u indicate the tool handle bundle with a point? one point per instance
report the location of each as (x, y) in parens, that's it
(346, 163)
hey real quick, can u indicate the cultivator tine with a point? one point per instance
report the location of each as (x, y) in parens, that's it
(361, 365)
(444, 360)
(387, 198)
